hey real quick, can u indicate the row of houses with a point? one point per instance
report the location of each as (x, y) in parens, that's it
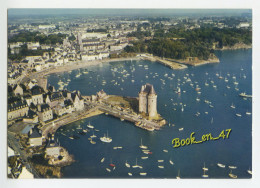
(40, 106)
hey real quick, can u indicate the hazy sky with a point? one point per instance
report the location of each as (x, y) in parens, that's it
(227, 12)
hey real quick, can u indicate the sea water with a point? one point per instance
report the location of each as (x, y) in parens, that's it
(126, 78)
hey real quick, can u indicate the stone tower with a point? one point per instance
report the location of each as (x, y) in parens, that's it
(79, 39)
(143, 100)
(148, 100)
(152, 103)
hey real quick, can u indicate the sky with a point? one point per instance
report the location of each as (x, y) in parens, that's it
(163, 12)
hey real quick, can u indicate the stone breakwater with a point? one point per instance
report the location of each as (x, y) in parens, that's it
(172, 64)
(196, 62)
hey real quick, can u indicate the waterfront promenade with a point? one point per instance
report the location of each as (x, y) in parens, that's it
(94, 109)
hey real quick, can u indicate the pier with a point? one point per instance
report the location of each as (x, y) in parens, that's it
(170, 64)
(136, 119)
(52, 126)
(97, 109)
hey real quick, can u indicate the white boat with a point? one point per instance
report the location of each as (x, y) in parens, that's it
(226, 80)
(127, 164)
(249, 171)
(221, 165)
(90, 126)
(130, 174)
(143, 173)
(204, 167)
(144, 157)
(102, 160)
(160, 161)
(182, 109)
(165, 150)
(142, 146)
(248, 113)
(160, 166)
(232, 106)
(180, 129)
(179, 90)
(108, 169)
(239, 115)
(170, 161)
(178, 177)
(232, 167)
(205, 175)
(244, 95)
(232, 175)
(106, 139)
(93, 136)
(136, 165)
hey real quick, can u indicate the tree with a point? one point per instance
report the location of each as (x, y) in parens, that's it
(72, 38)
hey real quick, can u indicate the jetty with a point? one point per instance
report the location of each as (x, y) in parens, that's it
(97, 109)
(171, 64)
(138, 120)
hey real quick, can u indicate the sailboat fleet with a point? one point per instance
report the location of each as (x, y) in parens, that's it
(179, 90)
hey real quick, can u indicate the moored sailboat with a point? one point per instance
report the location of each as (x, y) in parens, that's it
(142, 146)
(106, 139)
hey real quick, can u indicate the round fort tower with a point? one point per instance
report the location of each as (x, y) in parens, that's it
(152, 103)
(142, 100)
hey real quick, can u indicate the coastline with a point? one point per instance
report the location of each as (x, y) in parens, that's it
(40, 76)
(82, 64)
(236, 47)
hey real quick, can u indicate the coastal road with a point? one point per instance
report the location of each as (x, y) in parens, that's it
(12, 142)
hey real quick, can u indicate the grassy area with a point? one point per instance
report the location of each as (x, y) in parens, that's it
(125, 102)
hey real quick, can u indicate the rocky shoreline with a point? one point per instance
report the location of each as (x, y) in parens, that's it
(237, 46)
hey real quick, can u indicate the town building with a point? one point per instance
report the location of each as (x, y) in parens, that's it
(45, 112)
(18, 90)
(35, 137)
(52, 149)
(17, 109)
